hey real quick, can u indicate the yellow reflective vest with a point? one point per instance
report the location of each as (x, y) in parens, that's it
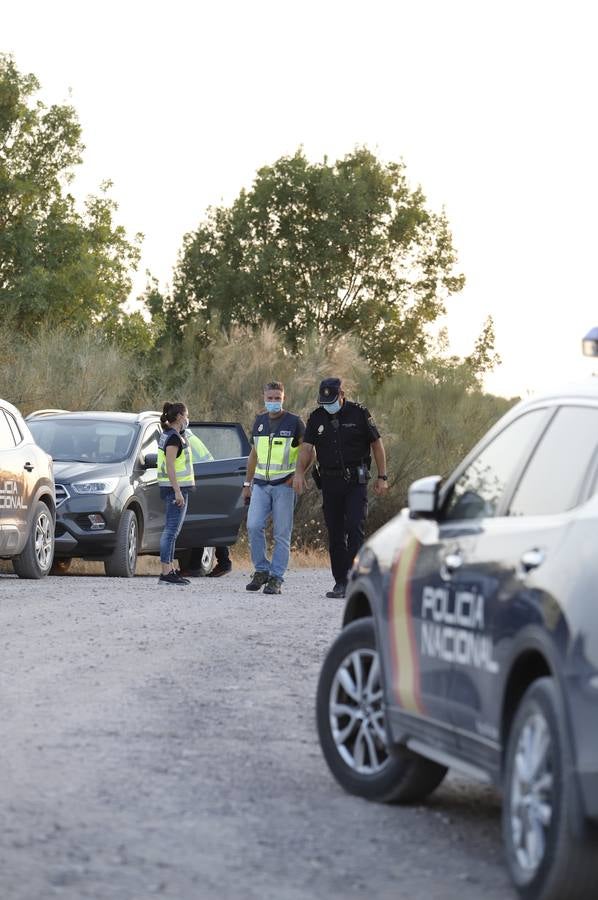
(273, 443)
(183, 464)
(199, 451)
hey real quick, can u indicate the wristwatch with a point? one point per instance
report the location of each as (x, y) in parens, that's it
(246, 484)
(383, 477)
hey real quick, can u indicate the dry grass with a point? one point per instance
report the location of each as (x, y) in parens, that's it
(428, 421)
(150, 565)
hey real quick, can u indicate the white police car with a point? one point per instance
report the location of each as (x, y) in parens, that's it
(470, 640)
(27, 503)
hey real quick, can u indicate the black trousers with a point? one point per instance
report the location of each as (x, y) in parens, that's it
(345, 507)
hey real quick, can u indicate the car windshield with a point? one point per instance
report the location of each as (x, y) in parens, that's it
(84, 440)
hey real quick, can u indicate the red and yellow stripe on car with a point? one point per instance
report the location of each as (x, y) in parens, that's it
(404, 653)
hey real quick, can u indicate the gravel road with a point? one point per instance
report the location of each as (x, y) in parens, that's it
(162, 743)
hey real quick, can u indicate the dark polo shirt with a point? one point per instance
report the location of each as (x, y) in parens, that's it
(352, 427)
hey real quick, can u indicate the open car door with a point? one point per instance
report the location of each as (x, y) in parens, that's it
(216, 506)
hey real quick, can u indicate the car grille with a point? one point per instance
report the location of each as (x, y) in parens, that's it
(61, 494)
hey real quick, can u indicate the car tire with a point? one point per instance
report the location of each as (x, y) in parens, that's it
(61, 565)
(36, 559)
(123, 561)
(551, 850)
(350, 720)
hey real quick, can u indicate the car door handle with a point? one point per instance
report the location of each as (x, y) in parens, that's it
(531, 559)
(453, 561)
(450, 564)
(29, 467)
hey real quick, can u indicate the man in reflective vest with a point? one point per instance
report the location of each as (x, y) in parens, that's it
(276, 436)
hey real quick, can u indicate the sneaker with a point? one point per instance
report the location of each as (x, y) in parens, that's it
(273, 585)
(259, 579)
(172, 578)
(337, 591)
(219, 570)
(181, 577)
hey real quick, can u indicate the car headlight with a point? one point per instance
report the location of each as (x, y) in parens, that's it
(364, 561)
(95, 487)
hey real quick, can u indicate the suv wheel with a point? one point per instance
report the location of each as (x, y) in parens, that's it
(550, 852)
(36, 559)
(123, 562)
(350, 718)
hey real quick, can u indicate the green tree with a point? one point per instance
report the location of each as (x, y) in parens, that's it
(54, 261)
(343, 247)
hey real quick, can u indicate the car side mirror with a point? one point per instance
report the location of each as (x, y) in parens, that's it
(150, 461)
(423, 497)
(589, 344)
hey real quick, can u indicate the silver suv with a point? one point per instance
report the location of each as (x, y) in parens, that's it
(27, 503)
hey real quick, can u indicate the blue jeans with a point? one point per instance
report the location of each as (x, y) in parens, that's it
(278, 501)
(175, 516)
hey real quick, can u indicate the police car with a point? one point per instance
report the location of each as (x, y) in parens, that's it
(27, 504)
(470, 641)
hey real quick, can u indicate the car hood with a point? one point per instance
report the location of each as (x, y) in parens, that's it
(80, 471)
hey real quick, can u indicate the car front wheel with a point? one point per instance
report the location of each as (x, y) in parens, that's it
(351, 726)
(551, 851)
(36, 559)
(123, 562)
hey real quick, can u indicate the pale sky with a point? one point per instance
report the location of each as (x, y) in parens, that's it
(491, 106)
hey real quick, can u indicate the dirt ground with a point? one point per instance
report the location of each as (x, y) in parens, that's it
(161, 742)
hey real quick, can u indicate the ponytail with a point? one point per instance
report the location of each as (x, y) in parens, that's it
(169, 413)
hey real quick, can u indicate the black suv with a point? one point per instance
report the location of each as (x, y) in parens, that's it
(27, 507)
(470, 640)
(108, 504)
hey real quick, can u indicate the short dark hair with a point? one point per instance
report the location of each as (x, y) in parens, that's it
(274, 386)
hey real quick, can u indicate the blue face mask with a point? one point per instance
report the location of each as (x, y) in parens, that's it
(331, 408)
(273, 406)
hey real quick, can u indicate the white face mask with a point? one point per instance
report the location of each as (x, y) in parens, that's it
(185, 424)
(331, 408)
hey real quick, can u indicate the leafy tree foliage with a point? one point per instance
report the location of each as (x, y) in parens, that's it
(339, 248)
(54, 262)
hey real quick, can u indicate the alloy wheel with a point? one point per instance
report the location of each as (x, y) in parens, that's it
(531, 794)
(43, 540)
(132, 544)
(356, 713)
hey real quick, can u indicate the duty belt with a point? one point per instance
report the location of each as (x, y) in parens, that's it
(342, 472)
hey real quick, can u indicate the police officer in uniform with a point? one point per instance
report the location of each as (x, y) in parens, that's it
(344, 436)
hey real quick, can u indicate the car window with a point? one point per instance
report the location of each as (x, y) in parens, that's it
(552, 480)
(222, 441)
(7, 441)
(84, 440)
(14, 427)
(149, 444)
(480, 488)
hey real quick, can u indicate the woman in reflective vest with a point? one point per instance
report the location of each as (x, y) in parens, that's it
(176, 479)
